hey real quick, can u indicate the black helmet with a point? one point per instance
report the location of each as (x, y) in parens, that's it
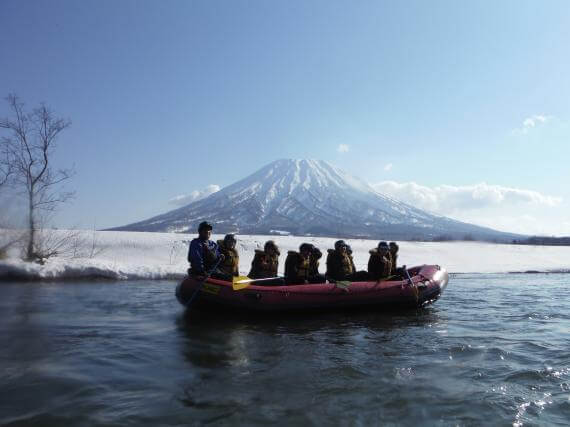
(316, 252)
(230, 238)
(270, 244)
(383, 245)
(339, 244)
(306, 247)
(204, 225)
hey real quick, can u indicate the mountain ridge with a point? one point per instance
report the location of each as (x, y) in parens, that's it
(311, 197)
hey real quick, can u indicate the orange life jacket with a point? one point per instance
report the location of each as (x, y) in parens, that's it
(263, 265)
(230, 264)
(296, 266)
(379, 267)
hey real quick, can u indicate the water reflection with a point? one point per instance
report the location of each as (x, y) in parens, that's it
(193, 322)
(215, 339)
(239, 361)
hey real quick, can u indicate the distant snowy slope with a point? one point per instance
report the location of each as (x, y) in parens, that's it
(310, 197)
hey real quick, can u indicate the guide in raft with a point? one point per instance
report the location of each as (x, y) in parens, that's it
(204, 255)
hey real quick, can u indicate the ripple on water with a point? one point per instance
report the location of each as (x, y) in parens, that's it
(529, 411)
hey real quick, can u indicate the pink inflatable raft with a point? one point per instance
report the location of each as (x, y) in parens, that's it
(425, 285)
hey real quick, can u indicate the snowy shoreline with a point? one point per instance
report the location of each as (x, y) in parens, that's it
(162, 256)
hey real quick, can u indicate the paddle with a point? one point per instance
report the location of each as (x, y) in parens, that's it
(242, 282)
(201, 284)
(343, 284)
(416, 290)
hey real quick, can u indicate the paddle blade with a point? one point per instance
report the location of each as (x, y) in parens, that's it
(343, 284)
(240, 282)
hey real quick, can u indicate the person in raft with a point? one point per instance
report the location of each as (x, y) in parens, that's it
(265, 264)
(314, 275)
(340, 265)
(204, 254)
(230, 264)
(394, 248)
(380, 264)
(297, 265)
(357, 275)
(349, 252)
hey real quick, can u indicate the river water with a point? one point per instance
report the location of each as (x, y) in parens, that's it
(494, 350)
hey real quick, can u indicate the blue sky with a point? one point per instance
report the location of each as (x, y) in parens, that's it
(463, 103)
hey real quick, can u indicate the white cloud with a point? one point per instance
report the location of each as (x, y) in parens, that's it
(501, 208)
(449, 199)
(343, 148)
(532, 122)
(185, 199)
(388, 167)
(516, 223)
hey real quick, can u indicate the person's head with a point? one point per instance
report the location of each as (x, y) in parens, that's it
(230, 241)
(393, 247)
(270, 247)
(305, 249)
(205, 230)
(348, 250)
(383, 247)
(340, 246)
(316, 253)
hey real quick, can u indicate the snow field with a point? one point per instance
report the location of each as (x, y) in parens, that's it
(143, 255)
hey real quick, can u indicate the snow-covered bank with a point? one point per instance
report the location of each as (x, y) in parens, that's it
(134, 255)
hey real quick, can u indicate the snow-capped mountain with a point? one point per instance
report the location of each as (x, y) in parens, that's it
(310, 197)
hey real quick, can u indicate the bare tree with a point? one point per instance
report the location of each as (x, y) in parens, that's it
(5, 171)
(6, 166)
(28, 146)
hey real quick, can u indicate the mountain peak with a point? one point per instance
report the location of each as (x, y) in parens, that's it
(307, 196)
